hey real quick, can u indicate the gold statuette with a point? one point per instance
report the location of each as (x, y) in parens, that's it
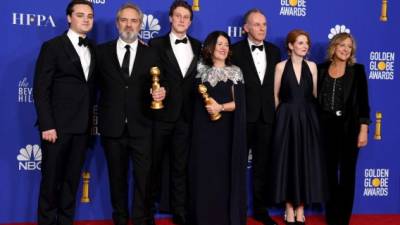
(378, 126)
(207, 101)
(85, 187)
(384, 17)
(155, 74)
(196, 6)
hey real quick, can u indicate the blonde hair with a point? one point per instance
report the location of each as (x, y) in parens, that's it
(335, 41)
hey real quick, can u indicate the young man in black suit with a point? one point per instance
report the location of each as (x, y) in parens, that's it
(125, 123)
(178, 54)
(63, 93)
(257, 59)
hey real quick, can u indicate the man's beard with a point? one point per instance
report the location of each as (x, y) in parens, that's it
(128, 36)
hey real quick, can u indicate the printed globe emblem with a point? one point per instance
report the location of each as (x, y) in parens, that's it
(376, 182)
(381, 65)
(293, 2)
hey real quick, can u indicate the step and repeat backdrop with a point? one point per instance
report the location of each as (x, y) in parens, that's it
(26, 24)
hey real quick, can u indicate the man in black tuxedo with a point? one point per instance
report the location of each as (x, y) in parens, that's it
(178, 54)
(63, 94)
(125, 123)
(257, 59)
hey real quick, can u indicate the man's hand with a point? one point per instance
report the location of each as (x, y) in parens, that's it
(50, 135)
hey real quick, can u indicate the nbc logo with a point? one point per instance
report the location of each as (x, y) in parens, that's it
(150, 27)
(376, 182)
(30, 158)
(337, 30)
(25, 94)
(381, 65)
(293, 8)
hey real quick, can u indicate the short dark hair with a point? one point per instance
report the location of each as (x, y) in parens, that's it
(180, 3)
(70, 7)
(251, 11)
(209, 48)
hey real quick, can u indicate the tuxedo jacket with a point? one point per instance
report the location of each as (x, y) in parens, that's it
(356, 104)
(124, 101)
(63, 97)
(180, 88)
(260, 101)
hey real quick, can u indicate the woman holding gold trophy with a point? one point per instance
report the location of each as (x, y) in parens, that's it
(218, 155)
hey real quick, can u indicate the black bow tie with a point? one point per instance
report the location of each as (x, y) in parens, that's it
(260, 47)
(83, 41)
(184, 41)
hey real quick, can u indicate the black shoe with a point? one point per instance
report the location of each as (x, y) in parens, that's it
(265, 219)
(179, 219)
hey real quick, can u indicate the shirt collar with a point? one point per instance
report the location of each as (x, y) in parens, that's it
(173, 37)
(73, 36)
(121, 44)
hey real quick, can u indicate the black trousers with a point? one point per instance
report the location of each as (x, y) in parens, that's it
(62, 162)
(342, 154)
(119, 153)
(171, 143)
(259, 136)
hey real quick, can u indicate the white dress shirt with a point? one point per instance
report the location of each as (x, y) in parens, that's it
(83, 52)
(183, 53)
(259, 59)
(121, 50)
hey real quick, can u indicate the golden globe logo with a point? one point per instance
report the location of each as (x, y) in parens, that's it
(293, 8)
(376, 182)
(381, 65)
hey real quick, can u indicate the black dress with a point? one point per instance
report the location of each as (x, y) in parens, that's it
(298, 170)
(218, 155)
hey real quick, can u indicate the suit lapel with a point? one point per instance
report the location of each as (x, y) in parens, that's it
(247, 55)
(73, 55)
(170, 54)
(193, 64)
(269, 70)
(92, 61)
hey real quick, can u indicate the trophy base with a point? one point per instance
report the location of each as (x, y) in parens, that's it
(85, 200)
(156, 105)
(215, 117)
(195, 8)
(383, 18)
(378, 137)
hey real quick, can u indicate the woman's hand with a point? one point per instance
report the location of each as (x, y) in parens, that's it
(213, 107)
(362, 140)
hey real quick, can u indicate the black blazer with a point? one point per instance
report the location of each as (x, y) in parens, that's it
(180, 90)
(63, 97)
(122, 98)
(259, 96)
(357, 110)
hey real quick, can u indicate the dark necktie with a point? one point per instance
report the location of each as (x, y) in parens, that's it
(125, 61)
(83, 41)
(184, 41)
(254, 47)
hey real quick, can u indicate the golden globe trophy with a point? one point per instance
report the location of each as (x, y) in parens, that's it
(195, 5)
(378, 126)
(85, 187)
(384, 17)
(203, 91)
(155, 74)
